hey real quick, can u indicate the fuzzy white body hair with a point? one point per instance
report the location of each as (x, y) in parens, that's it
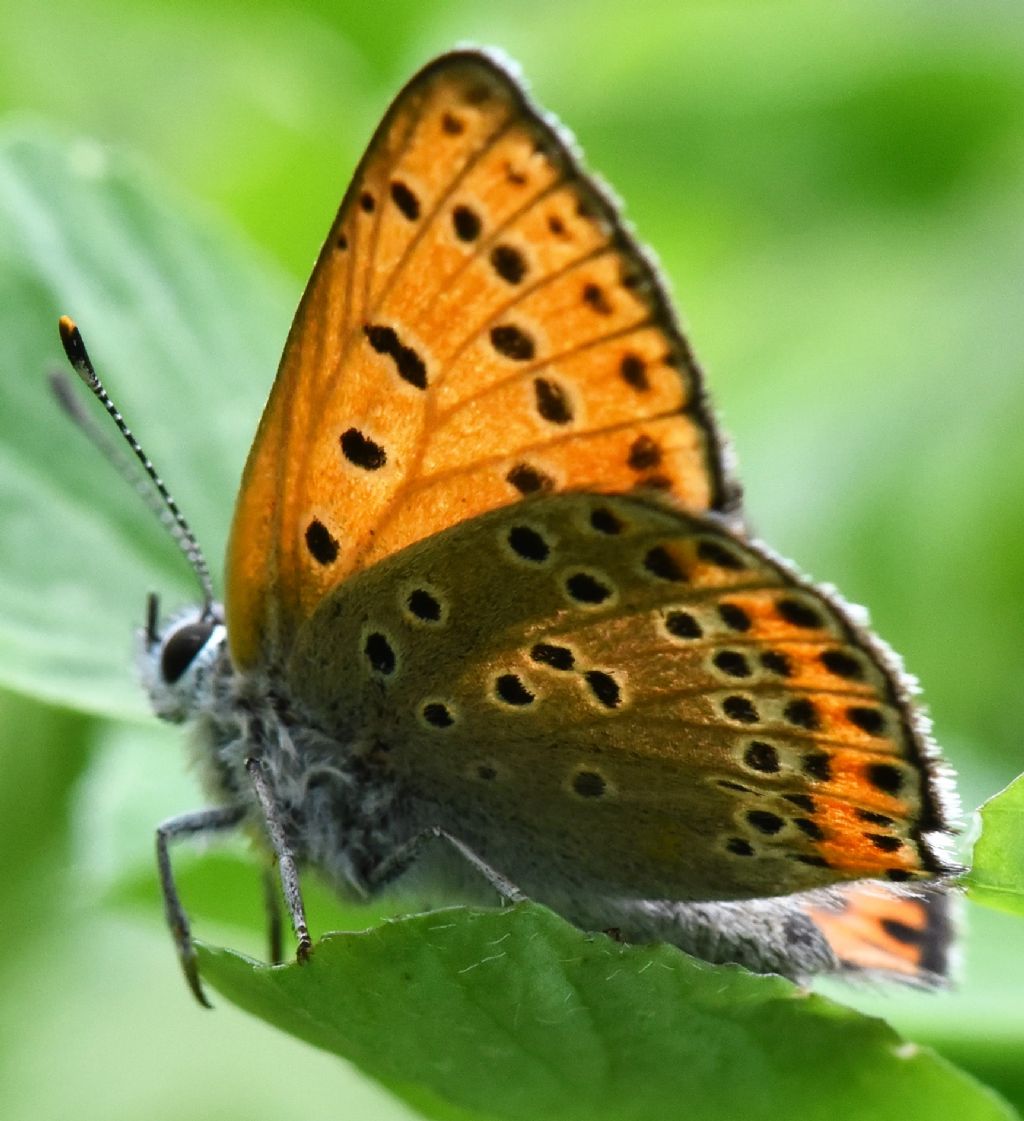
(340, 818)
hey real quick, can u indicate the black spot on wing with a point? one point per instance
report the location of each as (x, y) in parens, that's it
(527, 543)
(552, 401)
(322, 546)
(529, 480)
(634, 372)
(604, 687)
(585, 588)
(408, 363)
(361, 451)
(557, 657)
(466, 223)
(508, 263)
(405, 200)
(379, 653)
(644, 454)
(510, 689)
(762, 757)
(512, 342)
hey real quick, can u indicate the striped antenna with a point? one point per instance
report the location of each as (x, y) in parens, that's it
(162, 503)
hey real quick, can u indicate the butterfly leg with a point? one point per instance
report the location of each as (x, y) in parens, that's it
(397, 862)
(285, 858)
(214, 820)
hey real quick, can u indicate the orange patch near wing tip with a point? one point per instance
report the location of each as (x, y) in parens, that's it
(849, 781)
(771, 625)
(856, 856)
(858, 847)
(877, 930)
(809, 671)
(865, 945)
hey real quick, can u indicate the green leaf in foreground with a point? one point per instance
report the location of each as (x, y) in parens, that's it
(515, 1014)
(996, 877)
(165, 298)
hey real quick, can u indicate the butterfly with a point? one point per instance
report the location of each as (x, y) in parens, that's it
(493, 621)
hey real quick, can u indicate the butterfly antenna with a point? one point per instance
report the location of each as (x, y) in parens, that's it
(64, 392)
(162, 503)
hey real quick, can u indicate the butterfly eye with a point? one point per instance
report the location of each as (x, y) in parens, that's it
(182, 647)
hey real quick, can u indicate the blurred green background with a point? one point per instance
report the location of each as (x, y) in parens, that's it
(836, 193)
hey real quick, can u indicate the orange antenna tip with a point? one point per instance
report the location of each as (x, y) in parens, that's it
(74, 348)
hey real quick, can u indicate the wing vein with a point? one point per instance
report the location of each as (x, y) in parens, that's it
(528, 371)
(428, 221)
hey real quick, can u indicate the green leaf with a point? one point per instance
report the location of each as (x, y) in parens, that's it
(185, 327)
(996, 877)
(514, 1014)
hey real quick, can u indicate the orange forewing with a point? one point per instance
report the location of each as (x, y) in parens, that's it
(478, 327)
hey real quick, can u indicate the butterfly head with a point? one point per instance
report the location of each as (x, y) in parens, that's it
(177, 660)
